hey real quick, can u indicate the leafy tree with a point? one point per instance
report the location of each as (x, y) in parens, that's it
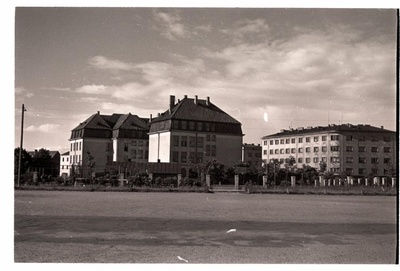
(26, 162)
(215, 169)
(42, 160)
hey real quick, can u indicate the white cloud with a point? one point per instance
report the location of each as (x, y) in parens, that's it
(44, 128)
(170, 25)
(21, 92)
(93, 89)
(104, 63)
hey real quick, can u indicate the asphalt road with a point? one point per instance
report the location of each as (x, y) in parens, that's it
(120, 227)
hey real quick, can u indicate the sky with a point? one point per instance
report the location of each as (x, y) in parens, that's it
(269, 68)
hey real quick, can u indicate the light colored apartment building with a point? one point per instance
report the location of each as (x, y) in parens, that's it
(64, 164)
(193, 131)
(106, 138)
(358, 150)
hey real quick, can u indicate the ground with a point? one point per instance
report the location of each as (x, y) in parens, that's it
(129, 227)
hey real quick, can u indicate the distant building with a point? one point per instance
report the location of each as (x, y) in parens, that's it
(358, 150)
(64, 164)
(252, 154)
(107, 138)
(192, 131)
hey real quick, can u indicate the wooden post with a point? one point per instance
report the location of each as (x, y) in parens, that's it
(237, 182)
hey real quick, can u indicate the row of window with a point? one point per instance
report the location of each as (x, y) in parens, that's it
(138, 154)
(135, 143)
(363, 160)
(317, 138)
(257, 154)
(193, 142)
(75, 159)
(307, 160)
(193, 157)
(324, 149)
(76, 146)
(363, 171)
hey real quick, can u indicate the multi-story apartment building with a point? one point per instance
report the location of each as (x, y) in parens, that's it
(193, 131)
(251, 154)
(358, 150)
(116, 137)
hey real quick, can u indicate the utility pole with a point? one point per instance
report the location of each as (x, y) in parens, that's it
(20, 148)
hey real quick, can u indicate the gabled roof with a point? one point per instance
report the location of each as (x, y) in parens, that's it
(188, 109)
(97, 121)
(131, 122)
(343, 128)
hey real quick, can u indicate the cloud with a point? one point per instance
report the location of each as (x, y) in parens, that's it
(93, 89)
(44, 128)
(103, 63)
(248, 30)
(170, 25)
(23, 92)
(57, 88)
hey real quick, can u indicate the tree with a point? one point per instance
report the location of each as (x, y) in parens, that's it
(215, 169)
(26, 162)
(42, 160)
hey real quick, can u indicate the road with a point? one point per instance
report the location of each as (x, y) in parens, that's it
(124, 227)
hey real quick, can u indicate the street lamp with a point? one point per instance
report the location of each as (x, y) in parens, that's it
(20, 148)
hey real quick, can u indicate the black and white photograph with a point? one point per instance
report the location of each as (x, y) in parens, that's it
(194, 136)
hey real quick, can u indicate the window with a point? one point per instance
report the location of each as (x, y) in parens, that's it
(133, 153)
(276, 151)
(300, 160)
(199, 126)
(265, 142)
(146, 155)
(207, 126)
(316, 149)
(175, 156)
(361, 149)
(374, 160)
(324, 138)
(374, 149)
(287, 151)
(80, 145)
(200, 141)
(184, 141)
(276, 142)
(361, 138)
(125, 146)
(191, 125)
(208, 150)
(335, 159)
(62, 167)
(271, 151)
(308, 160)
(175, 141)
(324, 148)
(334, 137)
(362, 171)
(192, 142)
(300, 140)
(282, 141)
(323, 159)
(316, 138)
(140, 143)
(199, 157)
(265, 152)
(213, 138)
(134, 143)
(308, 149)
(334, 148)
(293, 140)
(349, 159)
(349, 148)
(175, 124)
(308, 139)
(386, 160)
(140, 154)
(374, 139)
(349, 170)
(386, 149)
(362, 160)
(271, 142)
(375, 171)
(183, 124)
(287, 141)
(300, 150)
(183, 157)
(250, 154)
(349, 138)
(386, 139)
(282, 151)
(293, 150)
(213, 150)
(315, 159)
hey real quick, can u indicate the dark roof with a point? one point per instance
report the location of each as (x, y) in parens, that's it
(65, 153)
(343, 128)
(187, 109)
(114, 121)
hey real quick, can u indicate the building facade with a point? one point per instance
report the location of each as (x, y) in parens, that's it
(252, 154)
(107, 138)
(357, 150)
(64, 164)
(193, 131)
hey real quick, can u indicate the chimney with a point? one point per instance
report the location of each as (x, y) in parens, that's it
(171, 102)
(151, 117)
(98, 112)
(196, 100)
(185, 97)
(158, 114)
(382, 127)
(208, 101)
